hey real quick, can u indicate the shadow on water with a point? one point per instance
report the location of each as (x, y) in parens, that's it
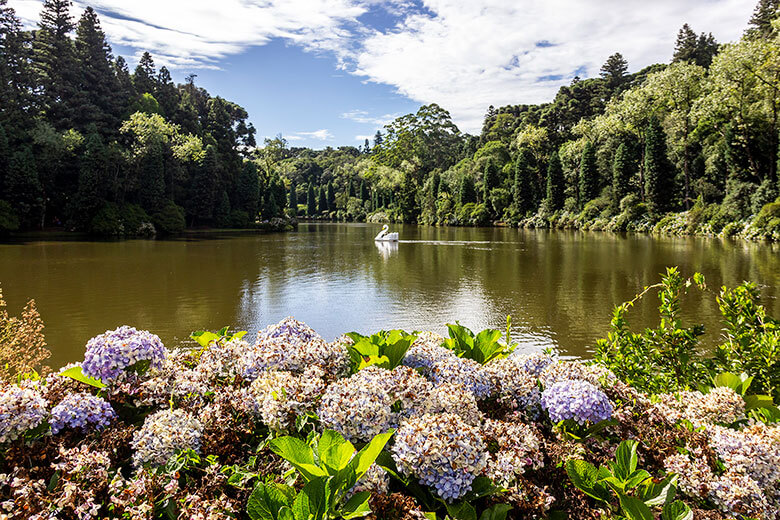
(559, 287)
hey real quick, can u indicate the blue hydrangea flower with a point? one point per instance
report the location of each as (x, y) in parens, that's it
(576, 400)
(442, 451)
(109, 355)
(81, 411)
(462, 371)
(21, 410)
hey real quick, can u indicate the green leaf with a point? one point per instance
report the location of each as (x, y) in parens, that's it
(299, 454)
(78, 375)
(487, 346)
(286, 513)
(335, 452)
(481, 487)
(430, 515)
(585, 477)
(462, 511)
(357, 506)
(625, 459)
(677, 510)
(634, 508)
(636, 478)
(365, 457)
(739, 384)
(204, 337)
(265, 502)
(496, 512)
(753, 402)
(311, 502)
(659, 493)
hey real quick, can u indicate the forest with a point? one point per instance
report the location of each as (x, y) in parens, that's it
(685, 147)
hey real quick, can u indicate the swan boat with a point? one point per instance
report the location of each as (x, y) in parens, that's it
(384, 236)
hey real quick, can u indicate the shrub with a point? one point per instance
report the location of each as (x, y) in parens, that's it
(134, 219)
(464, 213)
(8, 219)
(480, 216)
(765, 194)
(239, 219)
(22, 344)
(170, 219)
(107, 222)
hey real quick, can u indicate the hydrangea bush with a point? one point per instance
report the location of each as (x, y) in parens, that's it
(577, 401)
(81, 411)
(21, 410)
(163, 434)
(111, 355)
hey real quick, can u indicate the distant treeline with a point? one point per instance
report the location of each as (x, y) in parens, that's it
(620, 151)
(88, 145)
(687, 147)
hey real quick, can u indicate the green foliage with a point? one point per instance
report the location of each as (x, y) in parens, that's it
(385, 349)
(589, 175)
(658, 171)
(523, 192)
(205, 338)
(661, 359)
(170, 219)
(625, 488)
(329, 466)
(8, 219)
(555, 183)
(481, 347)
(76, 374)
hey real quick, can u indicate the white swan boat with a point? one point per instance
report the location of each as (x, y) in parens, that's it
(384, 236)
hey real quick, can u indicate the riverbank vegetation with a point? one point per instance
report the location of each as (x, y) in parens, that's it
(400, 426)
(88, 145)
(685, 147)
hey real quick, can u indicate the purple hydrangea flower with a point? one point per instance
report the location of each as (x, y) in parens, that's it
(81, 411)
(21, 410)
(576, 400)
(109, 355)
(463, 371)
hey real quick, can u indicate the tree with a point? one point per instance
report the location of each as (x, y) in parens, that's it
(363, 191)
(525, 177)
(204, 187)
(293, 198)
(222, 210)
(614, 70)
(698, 50)
(622, 172)
(322, 202)
(350, 188)
(23, 188)
(248, 189)
(166, 93)
(55, 63)
(589, 175)
(16, 81)
(760, 25)
(97, 103)
(467, 192)
(89, 197)
(144, 77)
(331, 197)
(152, 179)
(555, 183)
(378, 139)
(490, 180)
(659, 176)
(311, 202)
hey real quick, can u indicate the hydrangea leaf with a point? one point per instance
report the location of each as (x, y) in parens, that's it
(677, 510)
(585, 477)
(357, 506)
(496, 512)
(266, 502)
(659, 493)
(335, 452)
(299, 454)
(77, 374)
(365, 457)
(634, 508)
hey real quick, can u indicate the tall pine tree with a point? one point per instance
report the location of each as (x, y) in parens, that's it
(322, 202)
(589, 175)
(555, 183)
(294, 198)
(622, 170)
(311, 201)
(523, 189)
(248, 189)
(145, 76)
(659, 174)
(760, 25)
(467, 192)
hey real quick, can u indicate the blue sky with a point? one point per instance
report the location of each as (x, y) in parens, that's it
(330, 72)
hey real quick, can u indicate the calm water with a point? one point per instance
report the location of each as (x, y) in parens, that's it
(559, 287)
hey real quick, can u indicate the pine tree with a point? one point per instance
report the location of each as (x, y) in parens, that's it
(378, 139)
(351, 188)
(152, 179)
(589, 175)
(97, 101)
(467, 192)
(760, 25)
(16, 82)
(659, 175)
(622, 170)
(270, 207)
(694, 49)
(366, 147)
(125, 89)
(248, 189)
(293, 198)
(363, 191)
(555, 183)
(222, 210)
(489, 181)
(331, 197)
(5, 155)
(311, 201)
(322, 203)
(54, 61)
(144, 78)
(23, 188)
(92, 170)
(407, 203)
(166, 94)
(523, 191)
(204, 186)
(614, 70)
(435, 184)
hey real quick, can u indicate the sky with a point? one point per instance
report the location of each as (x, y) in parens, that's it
(333, 72)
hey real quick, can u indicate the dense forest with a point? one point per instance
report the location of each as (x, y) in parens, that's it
(87, 145)
(685, 147)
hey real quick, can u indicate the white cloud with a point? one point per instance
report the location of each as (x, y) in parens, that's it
(363, 117)
(319, 135)
(462, 54)
(467, 55)
(362, 138)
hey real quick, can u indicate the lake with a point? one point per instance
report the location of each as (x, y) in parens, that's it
(560, 287)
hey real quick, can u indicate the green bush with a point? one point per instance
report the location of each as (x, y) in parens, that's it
(133, 218)
(765, 194)
(239, 219)
(464, 213)
(8, 219)
(107, 222)
(480, 216)
(768, 216)
(170, 219)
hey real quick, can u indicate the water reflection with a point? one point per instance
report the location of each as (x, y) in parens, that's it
(559, 287)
